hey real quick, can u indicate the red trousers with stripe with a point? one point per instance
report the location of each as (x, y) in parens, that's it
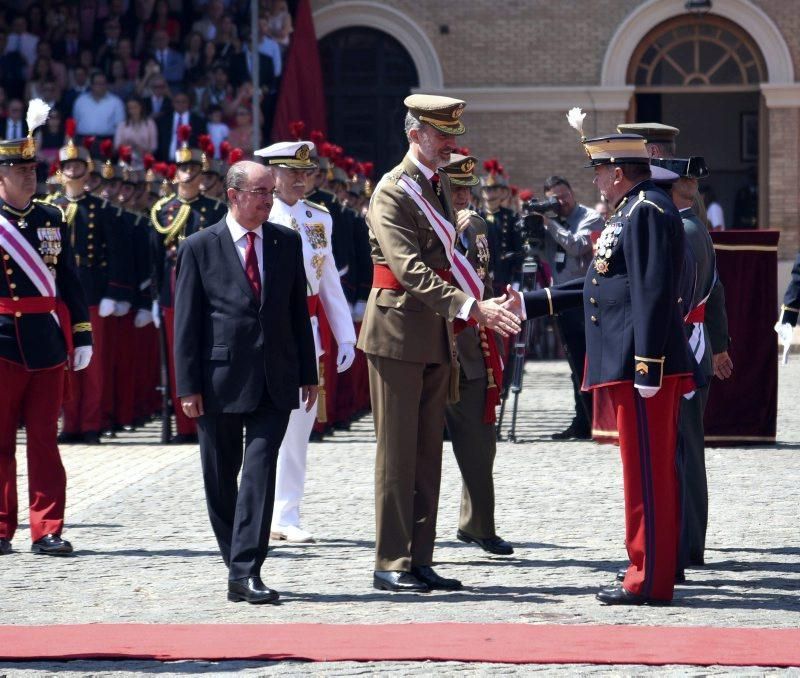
(648, 430)
(83, 410)
(183, 425)
(121, 360)
(35, 399)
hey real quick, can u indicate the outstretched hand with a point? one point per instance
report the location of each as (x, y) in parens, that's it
(491, 313)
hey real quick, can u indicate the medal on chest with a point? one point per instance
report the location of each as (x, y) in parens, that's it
(49, 244)
(606, 243)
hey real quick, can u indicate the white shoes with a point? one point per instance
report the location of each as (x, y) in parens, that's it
(291, 533)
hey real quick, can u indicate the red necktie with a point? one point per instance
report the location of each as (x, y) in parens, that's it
(435, 183)
(251, 265)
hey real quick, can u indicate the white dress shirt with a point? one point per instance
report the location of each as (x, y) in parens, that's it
(239, 235)
(464, 311)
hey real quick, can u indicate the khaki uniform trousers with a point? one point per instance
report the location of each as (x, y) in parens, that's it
(474, 446)
(408, 404)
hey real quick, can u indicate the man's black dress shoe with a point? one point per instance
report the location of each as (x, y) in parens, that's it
(427, 575)
(69, 438)
(495, 544)
(680, 576)
(251, 590)
(619, 595)
(389, 580)
(5, 547)
(91, 438)
(573, 432)
(51, 545)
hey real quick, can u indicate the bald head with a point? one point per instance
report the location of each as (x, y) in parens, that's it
(249, 186)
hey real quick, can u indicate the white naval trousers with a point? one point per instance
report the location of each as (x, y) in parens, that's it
(291, 474)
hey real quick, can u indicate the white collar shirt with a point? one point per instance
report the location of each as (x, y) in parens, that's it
(239, 233)
(427, 172)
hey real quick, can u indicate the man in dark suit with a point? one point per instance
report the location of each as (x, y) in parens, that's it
(13, 125)
(243, 352)
(168, 124)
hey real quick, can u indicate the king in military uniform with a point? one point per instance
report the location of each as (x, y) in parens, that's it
(407, 335)
(44, 326)
(636, 350)
(290, 162)
(174, 218)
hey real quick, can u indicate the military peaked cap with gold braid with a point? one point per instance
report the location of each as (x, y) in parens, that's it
(461, 170)
(441, 113)
(290, 154)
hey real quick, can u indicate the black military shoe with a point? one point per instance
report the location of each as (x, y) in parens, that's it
(494, 544)
(573, 432)
(251, 590)
(5, 546)
(69, 438)
(51, 545)
(427, 575)
(680, 575)
(389, 580)
(619, 595)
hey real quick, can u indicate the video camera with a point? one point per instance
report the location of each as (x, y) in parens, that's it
(530, 224)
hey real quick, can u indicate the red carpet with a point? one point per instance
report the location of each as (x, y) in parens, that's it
(508, 643)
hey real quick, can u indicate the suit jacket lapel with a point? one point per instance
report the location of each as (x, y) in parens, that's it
(271, 248)
(231, 258)
(447, 196)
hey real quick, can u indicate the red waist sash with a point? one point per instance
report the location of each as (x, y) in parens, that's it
(23, 305)
(384, 279)
(313, 304)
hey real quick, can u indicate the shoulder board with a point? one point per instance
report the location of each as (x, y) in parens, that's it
(321, 208)
(642, 200)
(43, 202)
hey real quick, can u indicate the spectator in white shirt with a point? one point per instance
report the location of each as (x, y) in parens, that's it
(23, 42)
(714, 213)
(98, 112)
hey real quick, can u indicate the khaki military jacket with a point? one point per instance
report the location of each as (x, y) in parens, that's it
(410, 324)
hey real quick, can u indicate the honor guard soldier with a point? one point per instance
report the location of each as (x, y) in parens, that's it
(290, 162)
(636, 350)
(100, 253)
(421, 284)
(174, 218)
(470, 421)
(44, 326)
(504, 242)
(706, 328)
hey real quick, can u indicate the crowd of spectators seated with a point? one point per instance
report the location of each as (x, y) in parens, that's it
(133, 70)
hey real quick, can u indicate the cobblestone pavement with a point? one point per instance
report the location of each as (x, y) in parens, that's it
(145, 551)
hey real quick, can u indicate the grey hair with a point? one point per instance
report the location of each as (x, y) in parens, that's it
(236, 177)
(411, 123)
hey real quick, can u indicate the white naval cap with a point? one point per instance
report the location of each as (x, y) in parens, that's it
(291, 154)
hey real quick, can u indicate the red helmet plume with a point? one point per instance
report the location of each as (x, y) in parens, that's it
(125, 154)
(88, 142)
(297, 128)
(526, 194)
(224, 149)
(184, 132)
(148, 161)
(107, 148)
(235, 155)
(69, 127)
(171, 170)
(317, 138)
(367, 168)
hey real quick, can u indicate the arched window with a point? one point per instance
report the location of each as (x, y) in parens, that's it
(706, 51)
(367, 75)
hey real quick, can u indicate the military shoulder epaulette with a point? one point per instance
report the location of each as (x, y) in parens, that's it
(642, 200)
(155, 209)
(321, 208)
(42, 201)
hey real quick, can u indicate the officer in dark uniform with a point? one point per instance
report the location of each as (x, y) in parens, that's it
(504, 241)
(637, 350)
(787, 320)
(100, 253)
(43, 315)
(174, 218)
(470, 421)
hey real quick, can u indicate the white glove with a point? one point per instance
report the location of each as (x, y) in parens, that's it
(121, 307)
(81, 356)
(106, 307)
(347, 354)
(785, 332)
(142, 318)
(647, 391)
(156, 313)
(358, 310)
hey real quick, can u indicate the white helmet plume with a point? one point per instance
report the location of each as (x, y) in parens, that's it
(37, 114)
(575, 118)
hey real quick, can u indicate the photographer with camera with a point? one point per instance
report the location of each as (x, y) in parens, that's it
(568, 250)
